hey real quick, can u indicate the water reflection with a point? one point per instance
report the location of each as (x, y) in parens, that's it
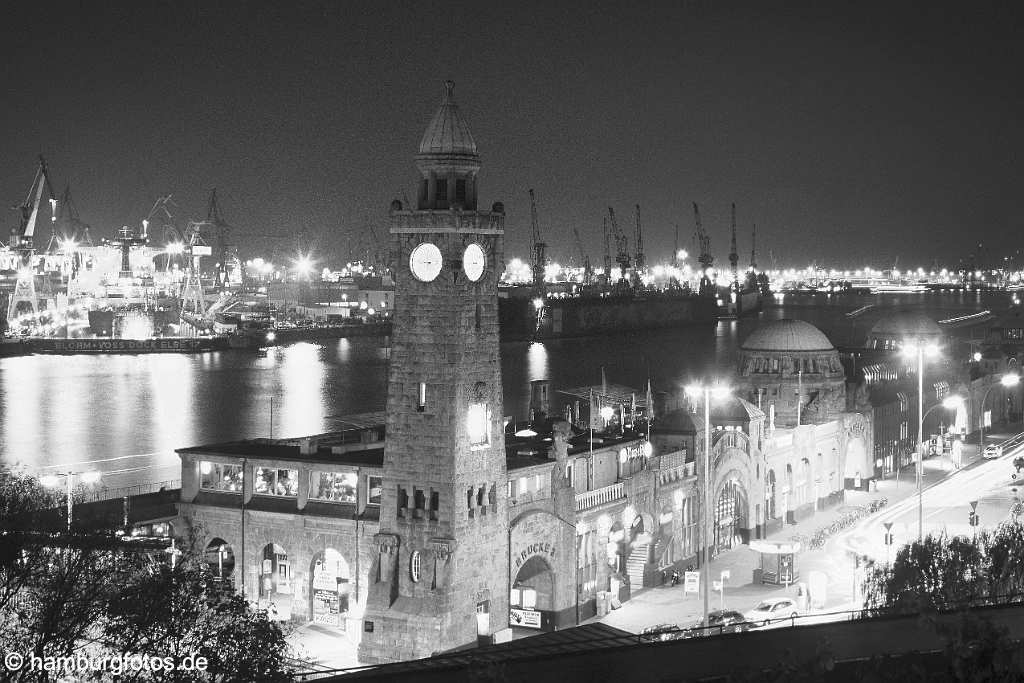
(536, 361)
(301, 391)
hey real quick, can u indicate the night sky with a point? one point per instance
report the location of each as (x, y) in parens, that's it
(851, 133)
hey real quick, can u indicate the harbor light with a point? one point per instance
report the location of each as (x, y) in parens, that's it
(538, 303)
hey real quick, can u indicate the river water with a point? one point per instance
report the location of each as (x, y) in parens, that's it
(124, 415)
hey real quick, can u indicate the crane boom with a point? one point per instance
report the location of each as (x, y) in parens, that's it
(639, 241)
(621, 242)
(607, 248)
(539, 247)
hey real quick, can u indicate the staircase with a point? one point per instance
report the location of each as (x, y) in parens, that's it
(635, 566)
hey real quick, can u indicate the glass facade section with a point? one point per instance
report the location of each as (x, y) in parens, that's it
(215, 476)
(274, 482)
(336, 487)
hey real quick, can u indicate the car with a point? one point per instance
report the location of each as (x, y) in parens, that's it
(773, 609)
(993, 451)
(722, 621)
(663, 632)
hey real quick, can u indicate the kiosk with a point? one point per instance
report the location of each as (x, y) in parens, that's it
(777, 562)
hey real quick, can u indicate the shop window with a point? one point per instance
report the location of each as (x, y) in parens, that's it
(334, 487)
(276, 482)
(215, 476)
(373, 489)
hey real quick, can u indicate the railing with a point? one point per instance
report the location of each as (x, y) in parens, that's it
(671, 474)
(104, 493)
(607, 494)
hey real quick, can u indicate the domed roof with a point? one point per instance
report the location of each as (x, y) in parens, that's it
(906, 324)
(448, 132)
(787, 335)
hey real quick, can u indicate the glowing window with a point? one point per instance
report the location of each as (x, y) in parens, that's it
(414, 566)
(478, 424)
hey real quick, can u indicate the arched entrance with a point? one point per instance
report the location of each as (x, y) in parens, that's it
(532, 599)
(330, 588)
(276, 581)
(730, 516)
(220, 559)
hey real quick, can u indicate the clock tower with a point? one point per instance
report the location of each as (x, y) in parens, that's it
(440, 576)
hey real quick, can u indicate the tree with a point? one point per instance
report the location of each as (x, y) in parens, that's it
(1005, 567)
(181, 612)
(93, 592)
(940, 571)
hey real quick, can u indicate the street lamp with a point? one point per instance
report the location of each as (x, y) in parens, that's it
(90, 477)
(949, 403)
(919, 349)
(1007, 380)
(696, 391)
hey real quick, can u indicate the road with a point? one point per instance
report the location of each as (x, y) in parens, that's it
(945, 505)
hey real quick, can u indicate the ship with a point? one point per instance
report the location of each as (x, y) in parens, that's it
(99, 345)
(524, 316)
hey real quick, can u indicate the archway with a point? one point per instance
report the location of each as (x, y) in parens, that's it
(730, 516)
(532, 594)
(220, 559)
(330, 588)
(276, 581)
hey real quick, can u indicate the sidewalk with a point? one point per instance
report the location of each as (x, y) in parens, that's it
(670, 605)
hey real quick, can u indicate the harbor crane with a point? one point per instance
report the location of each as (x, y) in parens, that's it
(705, 258)
(639, 261)
(587, 273)
(22, 241)
(734, 257)
(607, 249)
(539, 247)
(621, 243)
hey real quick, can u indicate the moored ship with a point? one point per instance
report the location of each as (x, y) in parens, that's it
(100, 345)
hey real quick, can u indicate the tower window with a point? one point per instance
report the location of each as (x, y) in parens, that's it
(403, 501)
(421, 397)
(435, 504)
(478, 425)
(476, 317)
(442, 190)
(420, 502)
(460, 190)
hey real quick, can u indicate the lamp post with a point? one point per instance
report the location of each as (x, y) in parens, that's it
(919, 349)
(89, 477)
(707, 392)
(949, 403)
(1008, 380)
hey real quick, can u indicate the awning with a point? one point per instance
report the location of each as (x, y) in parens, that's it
(769, 548)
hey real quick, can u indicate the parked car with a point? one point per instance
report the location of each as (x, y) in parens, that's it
(771, 610)
(993, 451)
(722, 621)
(663, 632)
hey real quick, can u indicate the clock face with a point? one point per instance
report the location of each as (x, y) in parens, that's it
(473, 262)
(425, 261)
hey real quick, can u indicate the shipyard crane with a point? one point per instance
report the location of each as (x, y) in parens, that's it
(621, 243)
(22, 241)
(587, 273)
(607, 249)
(705, 258)
(214, 218)
(639, 261)
(539, 247)
(734, 257)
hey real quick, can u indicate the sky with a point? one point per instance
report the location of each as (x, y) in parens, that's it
(851, 133)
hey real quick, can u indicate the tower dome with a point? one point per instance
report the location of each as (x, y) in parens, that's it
(790, 369)
(787, 335)
(448, 132)
(448, 160)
